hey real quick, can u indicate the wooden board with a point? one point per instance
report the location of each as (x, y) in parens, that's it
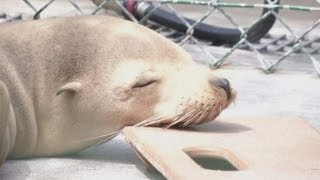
(259, 148)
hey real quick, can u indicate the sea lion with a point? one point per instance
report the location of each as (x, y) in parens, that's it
(69, 83)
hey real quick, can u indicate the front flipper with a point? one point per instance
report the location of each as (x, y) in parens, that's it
(7, 123)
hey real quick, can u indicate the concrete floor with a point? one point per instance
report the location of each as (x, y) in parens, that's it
(293, 91)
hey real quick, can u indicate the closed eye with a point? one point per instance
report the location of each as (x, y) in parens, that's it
(144, 83)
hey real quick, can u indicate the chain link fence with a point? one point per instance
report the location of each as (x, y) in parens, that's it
(297, 43)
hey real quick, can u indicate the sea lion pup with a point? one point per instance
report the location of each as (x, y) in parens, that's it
(69, 83)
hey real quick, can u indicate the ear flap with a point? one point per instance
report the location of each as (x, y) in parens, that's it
(69, 87)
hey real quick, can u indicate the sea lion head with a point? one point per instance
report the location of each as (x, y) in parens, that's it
(169, 93)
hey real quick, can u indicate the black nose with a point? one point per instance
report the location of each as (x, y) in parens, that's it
(224, 84)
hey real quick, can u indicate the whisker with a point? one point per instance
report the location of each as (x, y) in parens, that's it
(173, 123)
(180, 118)
(155, 121)
(213, 109)
(202, 115)
(152, 118)
(191, 119)
(160, 120)
(104, 140)
(98, 137)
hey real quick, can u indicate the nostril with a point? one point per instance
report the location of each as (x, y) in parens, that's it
(224, 84)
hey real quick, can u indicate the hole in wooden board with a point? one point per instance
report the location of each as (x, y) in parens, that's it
(214, 163)
(215, 159)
